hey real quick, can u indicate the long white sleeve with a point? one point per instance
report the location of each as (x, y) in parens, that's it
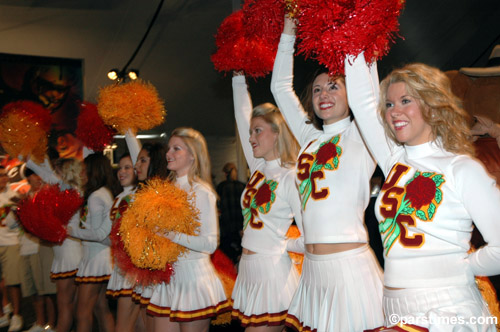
(207, 239)
(295, 245)
(133, 144)
(98, 225)
(243, 113)
(363, 96)
(481, 198)
(44, 171)
(284, 94)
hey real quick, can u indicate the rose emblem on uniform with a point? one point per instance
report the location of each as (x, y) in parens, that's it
(263, 195)
(422, 196)
(326, 153)
(420, 191)
(326, 157)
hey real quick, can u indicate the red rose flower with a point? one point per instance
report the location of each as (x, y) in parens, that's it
(325, 153)
(263, 195)
(421, 191)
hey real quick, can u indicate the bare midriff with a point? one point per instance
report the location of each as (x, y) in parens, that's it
(248, 252)
(331, 248)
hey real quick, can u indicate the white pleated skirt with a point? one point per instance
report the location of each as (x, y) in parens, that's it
(67, 258)
(194, 292)
(142, 294)
(338, 292)
(445, 309)
(96, 265)
(264, 289)
(119, 285)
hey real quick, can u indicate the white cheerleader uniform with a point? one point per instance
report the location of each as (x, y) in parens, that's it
(194, 291)
(67, 255)
(94, 230)
(333, 175)
(119, 285)
(266, 280)
(425, 210)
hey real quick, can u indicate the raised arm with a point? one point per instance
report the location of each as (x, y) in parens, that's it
(243, 113)
(282, 87)
(363, 96)
(45, 171)
(98, 225)
(133, 144)
(207, 239)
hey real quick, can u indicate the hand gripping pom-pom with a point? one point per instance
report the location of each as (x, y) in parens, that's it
(134, 105)
(91, 130)
(23, 129)
(330, 30)
(158, 207)
(47, 213)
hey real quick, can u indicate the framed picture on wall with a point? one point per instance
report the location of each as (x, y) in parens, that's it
(55, 83)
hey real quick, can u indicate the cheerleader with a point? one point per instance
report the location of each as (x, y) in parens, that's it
(67, 256)
(267, 278)
(151, 163)
(195, 293)
(434, 191)
(95, 268)
(333, 176)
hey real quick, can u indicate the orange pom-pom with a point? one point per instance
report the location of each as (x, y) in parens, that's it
(133, 105)
(23, 129)
(158, 207)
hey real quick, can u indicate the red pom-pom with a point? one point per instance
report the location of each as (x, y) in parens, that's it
(223, 264)
(241, 48)
(328, 31)
(91, 130)
(143, 277)
(47, 213)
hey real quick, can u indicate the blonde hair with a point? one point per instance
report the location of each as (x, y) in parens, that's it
(70, 171)
(286, 146)
(440, 108)
(200, 170)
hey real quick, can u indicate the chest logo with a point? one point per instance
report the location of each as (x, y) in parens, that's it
(402, 206)
(257, 199)
(311, 167)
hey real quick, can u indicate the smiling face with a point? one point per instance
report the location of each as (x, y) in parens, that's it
(404, 116)
(329, 99)
(125, 173)
(179, 158)
(142, 165)
(263, 139)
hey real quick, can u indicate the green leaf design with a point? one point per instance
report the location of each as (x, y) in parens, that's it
(336, 162)
(439, 195)
(336, 139)
(305, 198)
(339, 150)
(439, 182)
(329, 166)
(408, 210)
(431, 210)
(436, 178)
(427, 174)
(315, 168)
(303, 185)
(393, 235)
(421, 215)
(273, 185)
(385, 225)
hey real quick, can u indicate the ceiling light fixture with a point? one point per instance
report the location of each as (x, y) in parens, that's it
(133, 74)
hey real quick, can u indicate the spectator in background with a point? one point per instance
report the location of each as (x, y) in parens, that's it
(231, 218)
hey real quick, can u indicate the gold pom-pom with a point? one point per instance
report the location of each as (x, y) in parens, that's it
(297, 258)
(133, 105)
(158, 207)
(292, 8)
(23, 129)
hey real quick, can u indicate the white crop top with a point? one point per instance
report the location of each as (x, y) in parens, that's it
(334, 166)
(428, 202)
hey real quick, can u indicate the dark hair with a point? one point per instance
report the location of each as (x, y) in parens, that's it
(100, 174)
(158, 160)
(307, 97)
(28, 172)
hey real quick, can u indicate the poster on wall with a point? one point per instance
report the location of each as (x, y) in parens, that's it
(55, 83)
